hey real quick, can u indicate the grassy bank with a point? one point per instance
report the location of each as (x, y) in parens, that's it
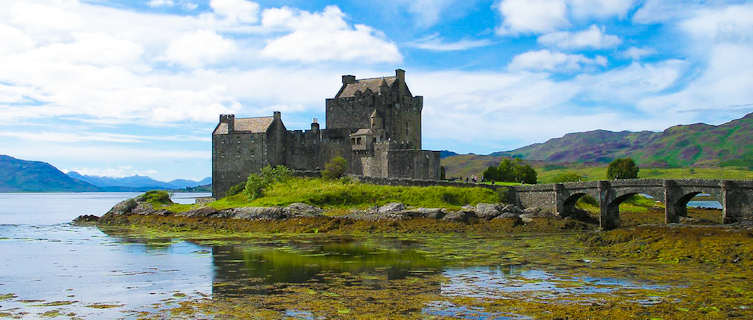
(339, 196)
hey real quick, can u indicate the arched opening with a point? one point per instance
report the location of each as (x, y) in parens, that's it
(641, 208)
(698, 208)
(581, 206)
(612, 218)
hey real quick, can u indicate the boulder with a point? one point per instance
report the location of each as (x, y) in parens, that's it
(527, 217)
(123, 208)
(391, 208)
(85, 219)
(199, 212)
(302, 210)
(508, 215)
(532, 210)
(257, 213)
(459, 216)
(511, 208)
(487, 211)
(431, 213)
(144, 209)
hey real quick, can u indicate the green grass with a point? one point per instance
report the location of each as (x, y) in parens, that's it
(339, 194)
(600, 173)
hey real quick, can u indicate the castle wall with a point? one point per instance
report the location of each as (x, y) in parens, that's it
(350, 112)
(336, 142)
(303, 149)
(411, 163)
(234, 156)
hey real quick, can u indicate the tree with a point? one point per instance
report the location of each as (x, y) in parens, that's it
(506, 170)
(624, 168)
(511, 171)
(257, 182)
(525, 173)
(491, 174)
(335, 168)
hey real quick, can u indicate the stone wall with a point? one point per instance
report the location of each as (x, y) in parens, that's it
(234, 156)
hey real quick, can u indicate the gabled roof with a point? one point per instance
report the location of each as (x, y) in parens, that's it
(363, 132)
(361, 85)
(252, 125)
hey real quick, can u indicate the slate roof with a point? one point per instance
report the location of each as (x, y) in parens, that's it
(361, 85)
(363, 132)
(253, 125)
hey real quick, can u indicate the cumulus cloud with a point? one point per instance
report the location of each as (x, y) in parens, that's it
(428, 11)
(324, 36)
(199, 48)
(636, 53)
(532, 16)
(160, 3)
(434, 42)
(546, 60)
(236, 10)
(600, 8)
(593, 37)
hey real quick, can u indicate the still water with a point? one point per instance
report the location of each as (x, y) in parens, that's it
(50, 268)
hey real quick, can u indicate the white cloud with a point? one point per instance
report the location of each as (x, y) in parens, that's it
(593, 37)
(324, 36)
(199, 48)
(236, 10)
(730, 24)
(546, 60)
(532, 16)
(14, 40)
(600, 8)
(160, 3)
(189, 6)
(435, 43)
(636, 53)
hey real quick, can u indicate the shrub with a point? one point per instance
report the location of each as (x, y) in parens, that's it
(624, 168)
(335, 168)
(256, 182)
(236, 189)
(511, 171)
(156, 197)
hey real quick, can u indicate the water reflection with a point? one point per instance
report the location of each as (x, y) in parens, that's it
(241, 270)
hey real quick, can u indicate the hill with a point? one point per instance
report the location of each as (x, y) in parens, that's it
(137, 183)
(698, 145)
(35, 176)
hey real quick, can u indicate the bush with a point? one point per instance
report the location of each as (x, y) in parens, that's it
(624, 168)
(236, 189)
(156, 197)
(511, 171)
(257, 182)
(335, 168)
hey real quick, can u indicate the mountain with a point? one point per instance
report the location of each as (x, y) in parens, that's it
(35, 176)
(446, 153)
(136, 182)
(699, 144)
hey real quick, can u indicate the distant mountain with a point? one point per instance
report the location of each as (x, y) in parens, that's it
(446, 153)
(728, 144)
(35, 176)
(136, 182)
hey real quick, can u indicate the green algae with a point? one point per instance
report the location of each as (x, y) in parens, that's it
(55, 304)
(103, 306)
(7, 296)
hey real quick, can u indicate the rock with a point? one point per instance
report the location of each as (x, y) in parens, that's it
(257, 213)
(487, 211)
(526, 217)
(123, 208)
(459, 216)
(688, 220)
(508, 215)
(85, 219)
(199, 212)
(144, 209)
(391, 208)
(533, 210)
(511, 208)
(431, 213)
(302, 210)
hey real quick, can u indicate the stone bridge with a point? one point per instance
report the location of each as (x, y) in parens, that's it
(736, 197)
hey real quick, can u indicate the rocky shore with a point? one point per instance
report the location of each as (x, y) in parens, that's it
(388, 212)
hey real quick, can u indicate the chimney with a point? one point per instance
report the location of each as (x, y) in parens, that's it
(400, 74)
(348, 79)
(277, 115)
(315, 125)
(230, 120)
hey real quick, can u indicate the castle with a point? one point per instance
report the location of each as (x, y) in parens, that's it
(375, 124)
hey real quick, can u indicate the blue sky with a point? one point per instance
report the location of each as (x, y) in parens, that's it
(115, 87)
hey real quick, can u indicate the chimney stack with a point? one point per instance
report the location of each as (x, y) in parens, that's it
(348, 79)
(277, 115)
(400, 74)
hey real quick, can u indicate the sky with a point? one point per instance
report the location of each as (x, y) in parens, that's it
(117, 88)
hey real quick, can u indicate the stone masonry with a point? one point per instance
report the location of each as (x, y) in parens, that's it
(373, 123)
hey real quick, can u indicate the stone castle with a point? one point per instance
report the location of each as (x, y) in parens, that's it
(375, 124)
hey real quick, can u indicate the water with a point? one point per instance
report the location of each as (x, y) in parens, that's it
(50, 267)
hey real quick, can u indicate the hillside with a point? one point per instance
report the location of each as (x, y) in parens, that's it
(699, 145)
(35, 176)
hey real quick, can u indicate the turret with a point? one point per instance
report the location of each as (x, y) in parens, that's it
(315, 125)
(400, 74)
(348, 79)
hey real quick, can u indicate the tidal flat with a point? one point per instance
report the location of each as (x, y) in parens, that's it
(151, 267)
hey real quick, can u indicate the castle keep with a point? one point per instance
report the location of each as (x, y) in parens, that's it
(373, 123)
